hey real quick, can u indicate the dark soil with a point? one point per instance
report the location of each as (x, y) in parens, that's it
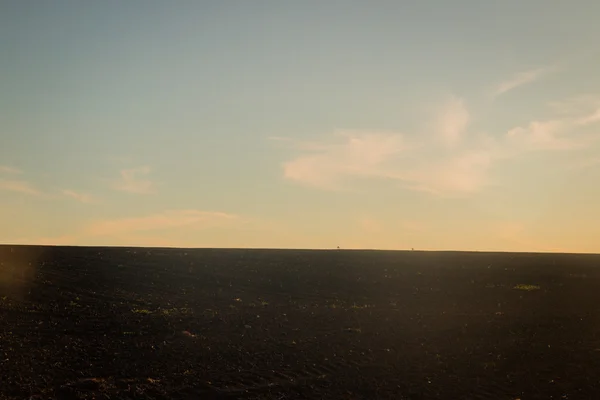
(134, 323)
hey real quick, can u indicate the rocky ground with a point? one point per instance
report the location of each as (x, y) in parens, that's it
(135, 323)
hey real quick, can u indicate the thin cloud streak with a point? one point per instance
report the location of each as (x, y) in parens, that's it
(147, 230)
(165, 220)
(520, 79)
(19, 186)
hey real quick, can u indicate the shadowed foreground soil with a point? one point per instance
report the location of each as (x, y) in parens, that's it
(133, 323)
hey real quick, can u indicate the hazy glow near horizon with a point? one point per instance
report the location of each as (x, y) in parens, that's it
(392, 125)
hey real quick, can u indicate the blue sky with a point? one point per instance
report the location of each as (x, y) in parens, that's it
(386, 124)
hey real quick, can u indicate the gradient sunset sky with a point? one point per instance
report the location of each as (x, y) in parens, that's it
(463, 125)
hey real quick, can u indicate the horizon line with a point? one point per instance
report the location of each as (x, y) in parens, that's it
(412, 250)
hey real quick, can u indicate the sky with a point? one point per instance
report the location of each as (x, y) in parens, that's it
(436, 125)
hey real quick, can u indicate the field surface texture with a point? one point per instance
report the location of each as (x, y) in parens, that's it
(134, 323)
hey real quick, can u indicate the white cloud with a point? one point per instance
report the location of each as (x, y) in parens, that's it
(388, 156)
(461, 174)
(442, 161)
(165, 220)
(133, 181)
(449, 160)
(520, 79)
(19, 186)
(347, 155)
(540, 135)
(566, 130)
(81, 197)
(554, 134)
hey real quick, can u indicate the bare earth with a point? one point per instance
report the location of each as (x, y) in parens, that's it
(134, 323)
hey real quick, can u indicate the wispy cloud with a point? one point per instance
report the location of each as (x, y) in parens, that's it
(346, 155)
(19, 186)
(171, 228)
(440, 161)
(553, 134)
(134, 180)
(382, 156)
(5, 169)
(453, 175)
(520, 79)
(165, 220)
(542, 135)
(81, 197)
(448, 160)
(16, 185)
